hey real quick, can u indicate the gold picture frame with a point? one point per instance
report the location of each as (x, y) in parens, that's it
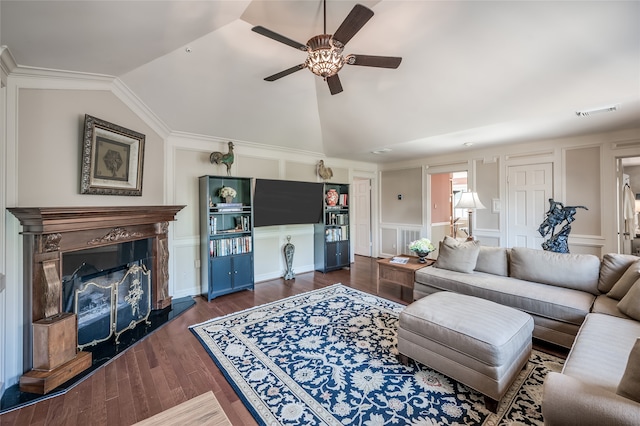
(112, 159)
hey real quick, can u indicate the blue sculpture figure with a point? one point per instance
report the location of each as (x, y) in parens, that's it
(557, 214)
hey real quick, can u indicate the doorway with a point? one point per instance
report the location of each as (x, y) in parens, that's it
(628, 202)
(445, 190)
(529, 188)
(362, 217)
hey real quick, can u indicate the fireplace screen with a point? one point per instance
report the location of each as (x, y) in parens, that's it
(111, 303)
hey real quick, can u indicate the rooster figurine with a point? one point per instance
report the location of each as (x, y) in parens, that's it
(222, 158)
(324, 172)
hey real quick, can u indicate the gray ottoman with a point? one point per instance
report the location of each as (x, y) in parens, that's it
(477, 342)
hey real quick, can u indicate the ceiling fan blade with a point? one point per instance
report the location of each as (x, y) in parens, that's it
(355, 20)
(375, 61)
(285, 73)
(335, 86)
(277, 37)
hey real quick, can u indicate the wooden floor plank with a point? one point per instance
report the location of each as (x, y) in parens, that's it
(70, 404)
(98, 400)
(55, 412)
(140, 403)
(111, 381)
(125, 397)
(85, 395)
(146, 378)
(113, 411)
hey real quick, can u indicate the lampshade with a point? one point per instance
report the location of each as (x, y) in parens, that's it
(469, 200)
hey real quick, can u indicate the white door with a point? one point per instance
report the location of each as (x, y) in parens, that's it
(529, 188)
(362, 209)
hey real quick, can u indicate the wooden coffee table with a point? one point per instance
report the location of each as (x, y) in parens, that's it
(398, 273)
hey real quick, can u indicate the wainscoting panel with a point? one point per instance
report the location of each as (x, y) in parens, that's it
(406, 236)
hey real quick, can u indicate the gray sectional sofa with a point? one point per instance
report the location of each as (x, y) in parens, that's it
(571, 300)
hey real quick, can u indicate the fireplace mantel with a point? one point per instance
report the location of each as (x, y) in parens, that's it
(47, 220)
(49, 232)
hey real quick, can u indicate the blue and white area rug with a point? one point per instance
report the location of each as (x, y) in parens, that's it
(328, 357)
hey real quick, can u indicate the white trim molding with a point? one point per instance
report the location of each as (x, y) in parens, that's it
(7, 64)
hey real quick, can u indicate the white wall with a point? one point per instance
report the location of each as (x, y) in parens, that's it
(40, 144)
(41, 167)
(41, 152)
(3, 203)
(584, 174)
(188, 158)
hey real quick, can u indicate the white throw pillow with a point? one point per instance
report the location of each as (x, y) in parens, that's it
(622, 286)
(456, 256)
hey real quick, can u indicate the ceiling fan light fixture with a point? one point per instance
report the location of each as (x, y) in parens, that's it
(324, 52)
(325, 57)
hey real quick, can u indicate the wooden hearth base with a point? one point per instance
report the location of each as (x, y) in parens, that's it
(42, 382)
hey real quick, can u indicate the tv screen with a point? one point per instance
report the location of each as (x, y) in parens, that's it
(286, 202)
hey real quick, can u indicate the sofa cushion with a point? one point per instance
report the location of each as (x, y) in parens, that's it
(624, 283)
(493, 260)
(630, 303)
(595, 362)
(576, 271)
(606, 305)
(456, 256)
(629, 386)
(558, 303)
(612, 267)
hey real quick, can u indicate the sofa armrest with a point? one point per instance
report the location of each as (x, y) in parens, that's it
(568, 401)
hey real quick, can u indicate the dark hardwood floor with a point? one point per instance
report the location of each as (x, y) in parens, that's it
(171, 366)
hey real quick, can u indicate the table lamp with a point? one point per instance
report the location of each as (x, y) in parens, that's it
(471, 202)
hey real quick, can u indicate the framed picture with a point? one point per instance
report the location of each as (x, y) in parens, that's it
(112, 159)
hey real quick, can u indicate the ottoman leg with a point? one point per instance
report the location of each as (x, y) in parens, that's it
(403, 359)
(490, 404)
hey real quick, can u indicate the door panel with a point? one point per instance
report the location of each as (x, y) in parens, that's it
(362, 210)
(529, 188)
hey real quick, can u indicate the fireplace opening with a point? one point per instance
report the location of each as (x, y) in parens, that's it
(108, 288)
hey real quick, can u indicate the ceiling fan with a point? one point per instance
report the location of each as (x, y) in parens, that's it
(324, 51)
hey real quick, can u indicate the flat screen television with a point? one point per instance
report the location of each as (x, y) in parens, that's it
(286, 202)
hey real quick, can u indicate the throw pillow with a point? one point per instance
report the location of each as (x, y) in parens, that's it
(456, 256)
(630, 303)
(622, 286)
(629, 386)
(612, 267)
(493, 260)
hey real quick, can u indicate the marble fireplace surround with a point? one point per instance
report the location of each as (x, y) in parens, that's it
(49, 232)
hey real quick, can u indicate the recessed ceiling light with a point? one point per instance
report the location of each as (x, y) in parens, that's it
(589, 112)
(468, 144)
(381, 151)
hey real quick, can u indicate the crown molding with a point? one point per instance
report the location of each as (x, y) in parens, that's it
(7, 64)
(25, 77)
(275, 151)
(42, 78)
(129, 98)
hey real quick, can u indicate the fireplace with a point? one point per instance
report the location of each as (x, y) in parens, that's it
(108, 289)
(79, 261)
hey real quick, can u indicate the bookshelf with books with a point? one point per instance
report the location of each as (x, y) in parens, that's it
(226, 235)
(332, 235)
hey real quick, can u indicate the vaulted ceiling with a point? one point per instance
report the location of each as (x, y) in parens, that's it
(480, 72)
